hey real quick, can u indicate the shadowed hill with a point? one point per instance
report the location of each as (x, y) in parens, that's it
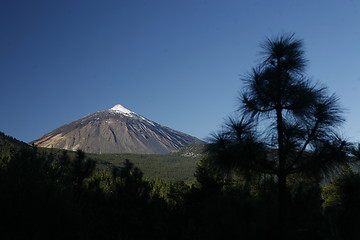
(9, 145)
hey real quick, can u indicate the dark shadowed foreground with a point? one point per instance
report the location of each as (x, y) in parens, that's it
(47, 197)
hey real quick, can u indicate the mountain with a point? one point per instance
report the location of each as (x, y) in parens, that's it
(116, 130)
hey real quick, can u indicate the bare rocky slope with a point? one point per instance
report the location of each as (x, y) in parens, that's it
(116, 130)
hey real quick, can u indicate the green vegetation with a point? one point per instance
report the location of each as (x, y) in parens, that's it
(179, 165)
(169, 167)
(174, 166)
(9, 145)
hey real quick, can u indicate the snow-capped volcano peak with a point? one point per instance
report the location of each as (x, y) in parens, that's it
(115, 130)
(121, 109)
(118, 108)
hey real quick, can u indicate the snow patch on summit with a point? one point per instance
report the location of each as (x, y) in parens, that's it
(124, 111)
(118, 108)
(121, 109)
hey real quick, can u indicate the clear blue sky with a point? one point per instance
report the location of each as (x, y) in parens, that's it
(178, 63)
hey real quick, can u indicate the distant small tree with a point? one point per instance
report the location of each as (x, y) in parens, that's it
(288, 125)
(81, 168)
(207, 177)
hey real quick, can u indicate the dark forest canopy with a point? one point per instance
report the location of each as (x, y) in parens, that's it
(47, 197)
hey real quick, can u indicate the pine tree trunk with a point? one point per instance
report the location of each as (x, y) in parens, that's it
(282, 189)
(282, 200)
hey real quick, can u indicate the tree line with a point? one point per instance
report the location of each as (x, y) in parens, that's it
(54, 197)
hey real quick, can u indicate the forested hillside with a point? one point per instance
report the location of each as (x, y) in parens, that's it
(48, 197)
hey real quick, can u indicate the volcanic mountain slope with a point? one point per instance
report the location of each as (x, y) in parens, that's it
(116, 130)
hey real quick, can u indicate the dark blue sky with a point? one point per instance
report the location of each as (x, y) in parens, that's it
(178, 63)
